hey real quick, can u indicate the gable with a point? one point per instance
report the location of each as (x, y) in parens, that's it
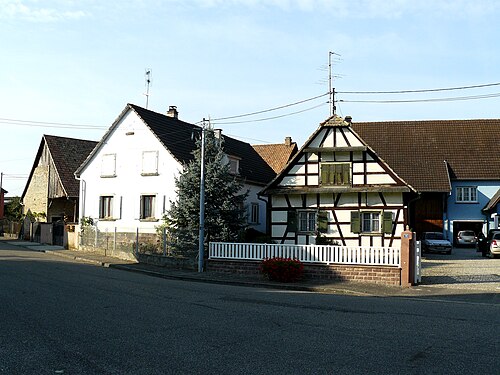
(336, 159)
(64, 155)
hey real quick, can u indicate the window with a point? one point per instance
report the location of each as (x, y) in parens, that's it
(335, 174)
(147, 206)
(466, 194)
(105, 207)
(307, 221)
(149, 163)
(234, 165)
(108, 165)
(254, 213)
(370, 222)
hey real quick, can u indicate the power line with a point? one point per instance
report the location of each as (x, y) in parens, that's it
(457, 98)
(416, 91)
(270, 109)
(50, 124)
(270, 118)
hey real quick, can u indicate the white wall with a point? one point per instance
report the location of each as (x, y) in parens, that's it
(129, 184)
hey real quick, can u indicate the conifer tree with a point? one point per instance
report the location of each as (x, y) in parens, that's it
(225, 215)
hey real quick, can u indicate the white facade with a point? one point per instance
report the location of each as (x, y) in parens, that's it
(130, 180)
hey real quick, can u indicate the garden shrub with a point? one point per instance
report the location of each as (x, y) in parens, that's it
(282, 269)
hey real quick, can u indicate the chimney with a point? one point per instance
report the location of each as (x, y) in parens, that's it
(218, 133)
(288, 141)
(172, 112)
(348, 119)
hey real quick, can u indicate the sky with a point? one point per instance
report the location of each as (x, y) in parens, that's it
(69, 67)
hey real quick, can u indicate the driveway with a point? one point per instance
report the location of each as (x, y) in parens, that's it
(463, 269)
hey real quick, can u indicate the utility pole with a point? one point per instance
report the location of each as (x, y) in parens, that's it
(202, 201)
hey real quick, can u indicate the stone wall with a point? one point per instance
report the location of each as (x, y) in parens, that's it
(35, 198)
(337, 272)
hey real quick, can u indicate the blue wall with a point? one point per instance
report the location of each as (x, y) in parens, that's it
(469, 211)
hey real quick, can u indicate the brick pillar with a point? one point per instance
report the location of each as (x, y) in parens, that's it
(407, 258)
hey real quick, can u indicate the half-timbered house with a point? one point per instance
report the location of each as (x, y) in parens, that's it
(337, 190)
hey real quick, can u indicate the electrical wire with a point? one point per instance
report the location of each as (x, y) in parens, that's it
(270, 109)
(417, 91)
(457, 98)
(270, 118)
(49, 124)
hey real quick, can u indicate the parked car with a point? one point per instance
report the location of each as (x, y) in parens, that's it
(435, 242)
(484, 242)
(494, 248)
(466, 238)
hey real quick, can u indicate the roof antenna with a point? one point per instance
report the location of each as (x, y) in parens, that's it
(331, 90)
(149, 77)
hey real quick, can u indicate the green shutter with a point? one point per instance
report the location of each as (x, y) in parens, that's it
(291, 224)
(387, 225)
(355, 222)
(346, 174)
(325, 174)
(323, 221)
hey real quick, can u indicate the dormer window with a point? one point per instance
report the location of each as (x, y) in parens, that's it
(234, 164)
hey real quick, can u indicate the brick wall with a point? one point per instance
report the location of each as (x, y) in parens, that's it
(338, 272)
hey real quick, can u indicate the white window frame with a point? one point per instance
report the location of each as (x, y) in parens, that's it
(466, 194)
(151, 207)
(254, 213)
(234, 165)
(106, 207)
(371, 221)
(307, 221)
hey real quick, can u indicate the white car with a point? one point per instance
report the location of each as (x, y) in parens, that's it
(494, 245)
(466, 238)
(435, 242)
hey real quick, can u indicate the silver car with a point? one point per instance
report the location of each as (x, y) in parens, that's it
(435, 242)
(466, 238)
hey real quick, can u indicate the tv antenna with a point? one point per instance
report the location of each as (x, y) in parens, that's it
(331, 90)
(148, 78)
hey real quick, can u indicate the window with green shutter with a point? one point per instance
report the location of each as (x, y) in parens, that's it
(323, 221)
(335, 174)
(355, 222)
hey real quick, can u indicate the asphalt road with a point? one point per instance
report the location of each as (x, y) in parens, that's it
(60, 317)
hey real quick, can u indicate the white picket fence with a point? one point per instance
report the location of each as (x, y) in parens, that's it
(362, 255)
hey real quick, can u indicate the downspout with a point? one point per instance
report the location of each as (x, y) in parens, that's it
(268, 214)
(83, 195)
(445, 201)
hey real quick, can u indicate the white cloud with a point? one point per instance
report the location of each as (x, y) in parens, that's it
(31, 11)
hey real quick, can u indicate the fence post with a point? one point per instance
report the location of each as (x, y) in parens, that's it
(406, 258)
(95, 238)
(137, 241)
(164, 234)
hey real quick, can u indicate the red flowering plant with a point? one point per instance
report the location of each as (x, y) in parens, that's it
(282, 269)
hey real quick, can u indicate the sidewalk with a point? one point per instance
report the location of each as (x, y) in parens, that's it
(317, 286)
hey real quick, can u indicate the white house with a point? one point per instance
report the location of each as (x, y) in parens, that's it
(127, 181)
